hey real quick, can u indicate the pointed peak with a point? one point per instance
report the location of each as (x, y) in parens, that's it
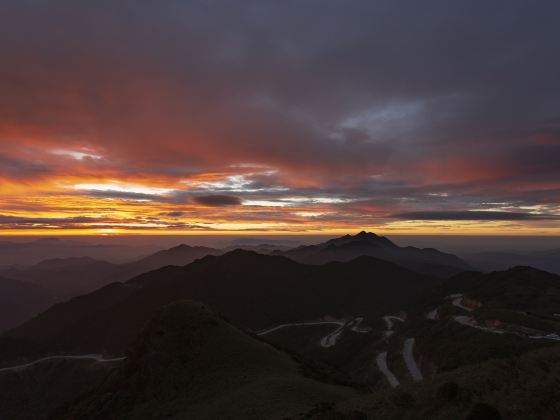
(180, 246)
(363, 233)
(361, 237)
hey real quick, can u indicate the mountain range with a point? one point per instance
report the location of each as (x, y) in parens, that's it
(64, 278)
(243, 335)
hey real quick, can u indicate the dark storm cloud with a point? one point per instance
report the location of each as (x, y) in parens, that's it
(321, 82)
(123, 195)
(14, 222)
(217, 200)
(473, 215)
(173, 214)
(15, 168)
(32, 220)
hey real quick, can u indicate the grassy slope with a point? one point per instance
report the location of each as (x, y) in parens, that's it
(191, 364)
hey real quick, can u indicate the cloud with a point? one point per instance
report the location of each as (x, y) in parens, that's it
(174, 214)
(123, 195)
(20, 169)
(473, 215)
(217, 200)
(273, 100)
(15, 222)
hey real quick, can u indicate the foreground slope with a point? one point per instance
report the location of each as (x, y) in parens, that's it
(520, 387)
(189, 363)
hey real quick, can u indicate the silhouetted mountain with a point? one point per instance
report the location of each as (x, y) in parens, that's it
(178, 255)
(252, 290)
(189, 363)
(64, 278)
(426, 260)
(19, 301)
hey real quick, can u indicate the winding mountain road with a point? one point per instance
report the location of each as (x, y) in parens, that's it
(328, 340)
(458, 302)
(95, 357)
(300, 324)
(408, 355)
(356, 326)
(471, 322)
(433, 314)
(381, 361)
(389, 321)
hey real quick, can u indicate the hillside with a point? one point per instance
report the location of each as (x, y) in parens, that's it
(520, 387)
(189, 363)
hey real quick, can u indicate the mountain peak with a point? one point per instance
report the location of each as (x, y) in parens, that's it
(179, 247)
(364, 234)
(364, 237)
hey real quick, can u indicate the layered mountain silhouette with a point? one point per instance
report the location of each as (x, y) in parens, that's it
(69, 277)
(252, 290)
(32, 252)
(424, 260)
(65, 278)
(35, 288)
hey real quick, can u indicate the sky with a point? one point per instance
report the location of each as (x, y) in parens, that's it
(285, 117)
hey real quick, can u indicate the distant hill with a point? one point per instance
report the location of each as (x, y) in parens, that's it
(69, 277)
(28, 253)
(424, 260)
(19, 301)
(64, 278)
(490, 261)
